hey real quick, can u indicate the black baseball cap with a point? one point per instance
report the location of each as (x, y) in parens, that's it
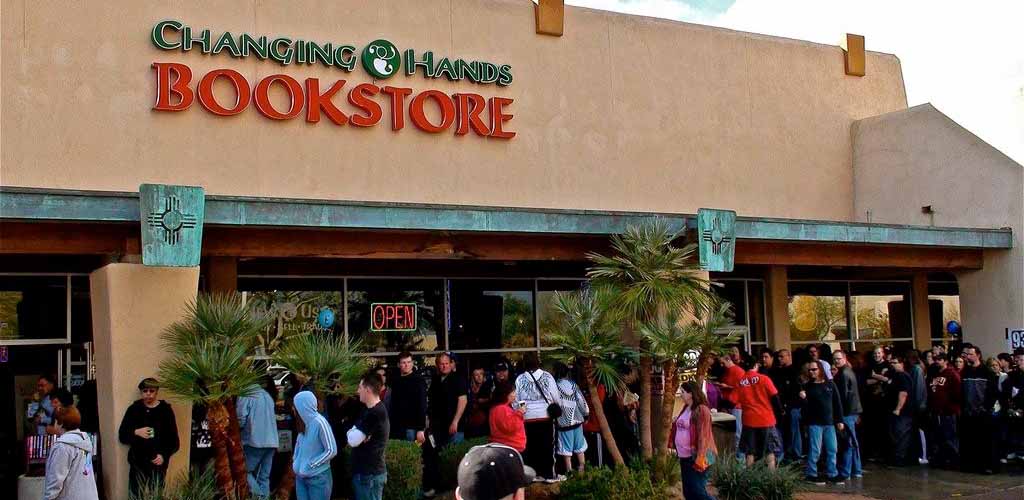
(500, 367)
(492, 471)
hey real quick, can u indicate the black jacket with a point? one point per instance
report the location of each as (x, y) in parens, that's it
(165, 432)
(981, 390)
(408, 407)
(823, 405)
(846, 382)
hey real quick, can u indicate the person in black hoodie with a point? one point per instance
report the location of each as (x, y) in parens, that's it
(980, 392)
(823, 414)
(150, 431)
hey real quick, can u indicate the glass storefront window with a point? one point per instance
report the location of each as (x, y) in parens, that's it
(392, 315)
(756, 307)
(817, 312)
(943, 309)
(33, 308)
(297, 312)
(734, 292)
(547, 315)
(881, 311)
(491, 314)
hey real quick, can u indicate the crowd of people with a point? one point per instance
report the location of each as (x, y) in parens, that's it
(944, 409)
(938, 408)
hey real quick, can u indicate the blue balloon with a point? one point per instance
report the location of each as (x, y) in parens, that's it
(326, 318)
(953, 327)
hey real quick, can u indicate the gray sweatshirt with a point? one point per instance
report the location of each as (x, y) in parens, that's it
(69, 472)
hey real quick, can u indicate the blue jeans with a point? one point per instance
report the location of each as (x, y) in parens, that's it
(368, 486)
(849, 461)
(739, 430)
(795, 446)
(410, 434)
(816, 435)
(317, 487)
(695, 484)
(258, 462)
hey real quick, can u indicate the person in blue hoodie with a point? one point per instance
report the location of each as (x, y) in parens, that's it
(259, 434)
(314, 449)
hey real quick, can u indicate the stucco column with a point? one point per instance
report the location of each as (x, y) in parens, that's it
(131, 306)
(777, 284)
(922, 320)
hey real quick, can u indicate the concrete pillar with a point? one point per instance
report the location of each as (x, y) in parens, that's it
(131, 306)
(777, 285)
(222, 274)
(922, 319)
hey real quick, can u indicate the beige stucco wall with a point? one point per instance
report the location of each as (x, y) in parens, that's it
(622, 112)
(131, 305)
(909, 159)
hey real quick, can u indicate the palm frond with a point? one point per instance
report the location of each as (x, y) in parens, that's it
(219, 316)
(707, 333)
(210, 350)
(651, 274)
(585, 334)
(326, 362)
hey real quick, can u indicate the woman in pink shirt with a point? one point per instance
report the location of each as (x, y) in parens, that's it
(507, 424)
(693, 442)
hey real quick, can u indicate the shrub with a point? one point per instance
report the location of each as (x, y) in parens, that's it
(736, 481)
(405, 470)
(449, 461)
(663, 469)
(183, 487)
(620, 483)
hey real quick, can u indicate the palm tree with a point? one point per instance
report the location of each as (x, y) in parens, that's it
(327, 365)
(210, 365)
(681, 345)
(586, 336)
(712, 342)
(650, 276)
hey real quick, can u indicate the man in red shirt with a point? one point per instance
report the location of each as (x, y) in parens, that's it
(944, 406)
(760, 401)
(728, 384)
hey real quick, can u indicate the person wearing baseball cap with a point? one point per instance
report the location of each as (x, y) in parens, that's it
(493, 472)
(150, 431)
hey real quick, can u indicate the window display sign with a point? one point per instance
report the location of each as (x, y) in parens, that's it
(392, 317)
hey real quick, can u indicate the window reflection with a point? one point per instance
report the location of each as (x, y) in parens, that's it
(384, 335)
(33, 307)
(491, 314)
(817, 311)
(547, 315)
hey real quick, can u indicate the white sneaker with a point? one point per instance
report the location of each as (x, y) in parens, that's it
(429, 493)
(922, 461)
(557, 479)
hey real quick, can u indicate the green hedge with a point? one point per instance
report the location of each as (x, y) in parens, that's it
(405, 470)
(620, 483)
(449, 462)
(736, 481)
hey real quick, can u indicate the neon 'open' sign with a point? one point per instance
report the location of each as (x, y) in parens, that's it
(392, 317)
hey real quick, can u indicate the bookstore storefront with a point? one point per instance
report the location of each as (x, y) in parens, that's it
(425, 178)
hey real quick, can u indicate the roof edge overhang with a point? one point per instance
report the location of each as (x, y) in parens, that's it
(36, 204)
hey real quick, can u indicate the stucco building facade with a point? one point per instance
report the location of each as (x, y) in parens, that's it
(860, 220)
